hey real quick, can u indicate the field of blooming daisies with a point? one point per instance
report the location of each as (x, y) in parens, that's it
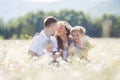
(103, 64)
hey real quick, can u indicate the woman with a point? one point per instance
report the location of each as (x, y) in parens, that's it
(63, 40)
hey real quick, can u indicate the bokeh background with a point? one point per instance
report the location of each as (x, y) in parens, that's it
(21, 19)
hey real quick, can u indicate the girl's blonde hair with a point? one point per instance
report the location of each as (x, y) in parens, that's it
(81, 29)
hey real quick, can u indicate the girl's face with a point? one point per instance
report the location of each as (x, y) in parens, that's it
(76, 36)
(60, 31)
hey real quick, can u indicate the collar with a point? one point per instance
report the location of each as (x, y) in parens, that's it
(43, 34)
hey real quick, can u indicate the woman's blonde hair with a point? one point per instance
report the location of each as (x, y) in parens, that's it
(81, 29)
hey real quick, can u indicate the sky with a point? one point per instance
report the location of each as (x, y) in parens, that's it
(41, 1)
(11, 9)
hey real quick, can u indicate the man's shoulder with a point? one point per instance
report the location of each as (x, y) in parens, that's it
(37, 39)
(38, 36)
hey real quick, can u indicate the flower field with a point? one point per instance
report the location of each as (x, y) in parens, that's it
(104, 63)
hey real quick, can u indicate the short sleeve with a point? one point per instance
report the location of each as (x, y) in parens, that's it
(34, 45)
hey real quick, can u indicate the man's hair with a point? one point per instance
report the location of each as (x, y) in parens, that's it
(49, 20)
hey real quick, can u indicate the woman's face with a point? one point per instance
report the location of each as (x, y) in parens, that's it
(60, 31)
(76, 36)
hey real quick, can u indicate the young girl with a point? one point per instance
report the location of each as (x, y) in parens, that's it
(79, 45)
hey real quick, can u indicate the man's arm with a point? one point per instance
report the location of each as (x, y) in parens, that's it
(34, 47)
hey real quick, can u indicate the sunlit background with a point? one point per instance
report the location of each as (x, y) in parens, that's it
(15, 8)
(21, 19)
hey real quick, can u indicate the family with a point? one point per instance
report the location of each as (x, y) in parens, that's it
(59, 39)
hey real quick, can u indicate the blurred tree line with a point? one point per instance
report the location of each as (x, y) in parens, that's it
(25, 27)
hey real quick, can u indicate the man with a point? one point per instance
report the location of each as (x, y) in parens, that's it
(38, 42)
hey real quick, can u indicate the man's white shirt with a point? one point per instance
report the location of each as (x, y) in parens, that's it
(38, 43)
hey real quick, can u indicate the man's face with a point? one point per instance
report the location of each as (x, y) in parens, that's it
(53, 27)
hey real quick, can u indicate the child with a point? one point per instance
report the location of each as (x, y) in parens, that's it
(48, 50)
(78, 46)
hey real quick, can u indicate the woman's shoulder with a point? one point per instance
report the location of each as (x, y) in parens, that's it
(70, 40)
